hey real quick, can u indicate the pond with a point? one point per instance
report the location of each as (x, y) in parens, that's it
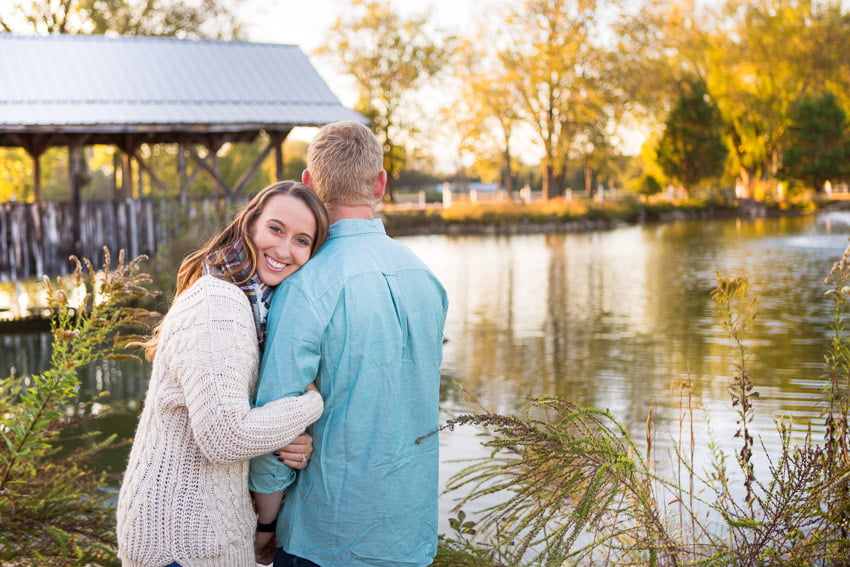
(613, 319)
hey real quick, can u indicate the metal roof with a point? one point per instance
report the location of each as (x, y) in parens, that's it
(98, 84)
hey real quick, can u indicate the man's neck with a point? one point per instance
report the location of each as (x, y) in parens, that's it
(340, 212)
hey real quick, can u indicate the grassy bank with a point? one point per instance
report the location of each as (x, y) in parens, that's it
(559, 214)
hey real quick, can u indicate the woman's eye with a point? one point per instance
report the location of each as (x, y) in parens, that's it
(275, 229)
(303, 241)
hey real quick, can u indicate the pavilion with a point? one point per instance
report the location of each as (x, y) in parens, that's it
(79, 90)
(130, 92)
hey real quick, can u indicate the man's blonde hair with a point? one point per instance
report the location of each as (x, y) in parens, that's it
(344, 161)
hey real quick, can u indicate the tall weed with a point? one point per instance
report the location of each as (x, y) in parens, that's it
(575, 489)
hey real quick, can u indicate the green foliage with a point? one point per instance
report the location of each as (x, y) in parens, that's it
(817, 145)
(52, 508)
(691, 148)
(647, 185)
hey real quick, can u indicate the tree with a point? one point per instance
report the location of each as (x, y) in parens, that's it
(486, 113)
(552, 64)
(388, 57)
(179, 18)
(766, 54)
(691, 148)
(817, 146)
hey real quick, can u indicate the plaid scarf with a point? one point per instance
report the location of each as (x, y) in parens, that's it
(258, 293)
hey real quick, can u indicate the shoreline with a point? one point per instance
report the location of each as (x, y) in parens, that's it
(524, 226)
(37, 324)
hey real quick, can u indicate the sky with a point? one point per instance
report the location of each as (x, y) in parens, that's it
(306, 23)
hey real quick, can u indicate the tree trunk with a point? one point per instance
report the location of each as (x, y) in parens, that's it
(549, 189)
(507, 178)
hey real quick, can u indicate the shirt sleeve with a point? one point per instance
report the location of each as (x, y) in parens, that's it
(290, 363)
(214, 360)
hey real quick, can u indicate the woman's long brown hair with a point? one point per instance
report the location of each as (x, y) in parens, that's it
(215, 250)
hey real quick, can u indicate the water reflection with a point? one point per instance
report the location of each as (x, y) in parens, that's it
(614, 319)
(611, 319)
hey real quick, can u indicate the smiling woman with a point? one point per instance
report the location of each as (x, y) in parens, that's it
(283, 235)
(198, 424)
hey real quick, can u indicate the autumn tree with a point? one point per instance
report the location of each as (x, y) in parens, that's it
(552, 62)
(486, 112)
(691, 148)
(763, 56)
(388, 57)
(817, 143)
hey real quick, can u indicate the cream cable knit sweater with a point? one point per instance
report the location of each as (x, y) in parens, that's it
(185, 496)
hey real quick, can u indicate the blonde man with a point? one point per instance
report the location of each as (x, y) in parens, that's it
(364, 320)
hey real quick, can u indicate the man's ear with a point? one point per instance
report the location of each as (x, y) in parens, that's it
(307, 179)
(380, 185)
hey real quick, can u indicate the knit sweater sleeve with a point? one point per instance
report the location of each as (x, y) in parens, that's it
(215, 362)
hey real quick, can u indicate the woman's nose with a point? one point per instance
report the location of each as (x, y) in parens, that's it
(284, 248)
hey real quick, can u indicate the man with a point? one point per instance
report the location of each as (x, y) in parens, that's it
(364, 320)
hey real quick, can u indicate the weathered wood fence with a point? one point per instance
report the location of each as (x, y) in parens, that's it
(37, 238)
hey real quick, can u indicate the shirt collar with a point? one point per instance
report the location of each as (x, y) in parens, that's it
(351, 227)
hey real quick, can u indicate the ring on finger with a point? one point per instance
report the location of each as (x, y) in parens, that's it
(303, 458)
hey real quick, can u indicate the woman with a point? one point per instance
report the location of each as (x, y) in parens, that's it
(184, 499)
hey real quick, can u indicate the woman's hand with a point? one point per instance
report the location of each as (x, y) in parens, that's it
(297, 454)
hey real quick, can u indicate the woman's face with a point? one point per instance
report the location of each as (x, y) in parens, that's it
(283, 235)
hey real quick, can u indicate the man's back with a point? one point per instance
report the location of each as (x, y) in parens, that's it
(369, 315)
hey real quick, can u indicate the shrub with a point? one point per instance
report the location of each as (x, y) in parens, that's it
(52, 508)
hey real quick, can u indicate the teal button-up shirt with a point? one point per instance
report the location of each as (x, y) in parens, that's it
(364, 319)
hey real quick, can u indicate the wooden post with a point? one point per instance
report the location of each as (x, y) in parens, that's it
(181, 172)
(36, 174)
(276, 140)
(116, 165)
(34, 145)
(128, 148)
(126, 174)
(141, 180)
(76, 174)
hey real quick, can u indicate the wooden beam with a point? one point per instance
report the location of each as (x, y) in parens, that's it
(212, 172)
(252, 170)
(142, 165)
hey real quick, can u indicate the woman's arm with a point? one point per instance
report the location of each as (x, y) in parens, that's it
(214, 356)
